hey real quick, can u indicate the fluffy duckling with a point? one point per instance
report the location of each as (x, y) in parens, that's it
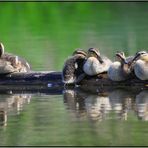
(122, 69)
(73, 66)
(12, 63)
(95, 64)
(141, 65)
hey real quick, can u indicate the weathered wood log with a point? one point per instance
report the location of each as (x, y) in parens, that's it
(32, 82)
(49, 79)
(31, 78)
(103, 80)
(102, 84)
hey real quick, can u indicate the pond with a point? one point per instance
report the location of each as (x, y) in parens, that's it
(45, 34)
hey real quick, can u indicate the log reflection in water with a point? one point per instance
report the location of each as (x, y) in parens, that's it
(11, 104)
(115, 104)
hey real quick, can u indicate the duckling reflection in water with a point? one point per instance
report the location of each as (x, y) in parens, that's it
(121, 102)
(12, 103)
(98, 106)
(141, 65)
(3, 117)
(122, 69)
(142, 105)
(95, 64)
(73, 67)
(75, 102)
(11, 63)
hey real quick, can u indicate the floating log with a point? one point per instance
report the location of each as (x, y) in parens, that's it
(31, 78)
(33, 82)
(103, 81)
(54, 79)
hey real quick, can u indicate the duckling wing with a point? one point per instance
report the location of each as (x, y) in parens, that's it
(68, 72)
(23, 65)
(115, 72)
(79, 66)
(90, 66)
(141, 70)
(6, 67)
(103, 67)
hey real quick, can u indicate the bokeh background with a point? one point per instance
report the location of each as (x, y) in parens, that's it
(46, 33)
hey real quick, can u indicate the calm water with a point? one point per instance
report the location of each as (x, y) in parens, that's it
(46, 34)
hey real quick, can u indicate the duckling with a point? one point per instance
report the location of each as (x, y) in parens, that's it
(73, 67)
(141, 65)
(95, 64)
(12, 63)
(122, 69)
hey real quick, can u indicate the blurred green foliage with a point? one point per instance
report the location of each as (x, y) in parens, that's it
(46, 33)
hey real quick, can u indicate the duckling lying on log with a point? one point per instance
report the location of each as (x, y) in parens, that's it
(95, 63)
(106, 72)
(141, 65)
(73, 67)
(122, 69)
(10, 63)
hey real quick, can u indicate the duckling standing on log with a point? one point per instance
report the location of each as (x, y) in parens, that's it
(95, 64)
(122, 69)
(73, 67)
(141, 65)
(11, 63)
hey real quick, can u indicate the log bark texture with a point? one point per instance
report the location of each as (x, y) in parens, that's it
(54, 79)
(31, 78)
(32, 82)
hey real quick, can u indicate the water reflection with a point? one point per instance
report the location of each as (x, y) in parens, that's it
(115, 104)
(142, 105)
(75, 101)
(12, 103)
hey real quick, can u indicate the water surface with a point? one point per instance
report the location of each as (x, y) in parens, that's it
(45, 34)
(74, 117)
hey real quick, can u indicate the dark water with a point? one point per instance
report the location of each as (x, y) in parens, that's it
(46, 34)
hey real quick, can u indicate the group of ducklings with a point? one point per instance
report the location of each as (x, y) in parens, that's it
(82, 63)
(10, 63)
(92, 63)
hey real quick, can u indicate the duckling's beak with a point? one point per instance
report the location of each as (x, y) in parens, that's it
(1, 45)
(135, 58)
(120, 56)
(100, 59)
(125, 61)
(1, 49)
